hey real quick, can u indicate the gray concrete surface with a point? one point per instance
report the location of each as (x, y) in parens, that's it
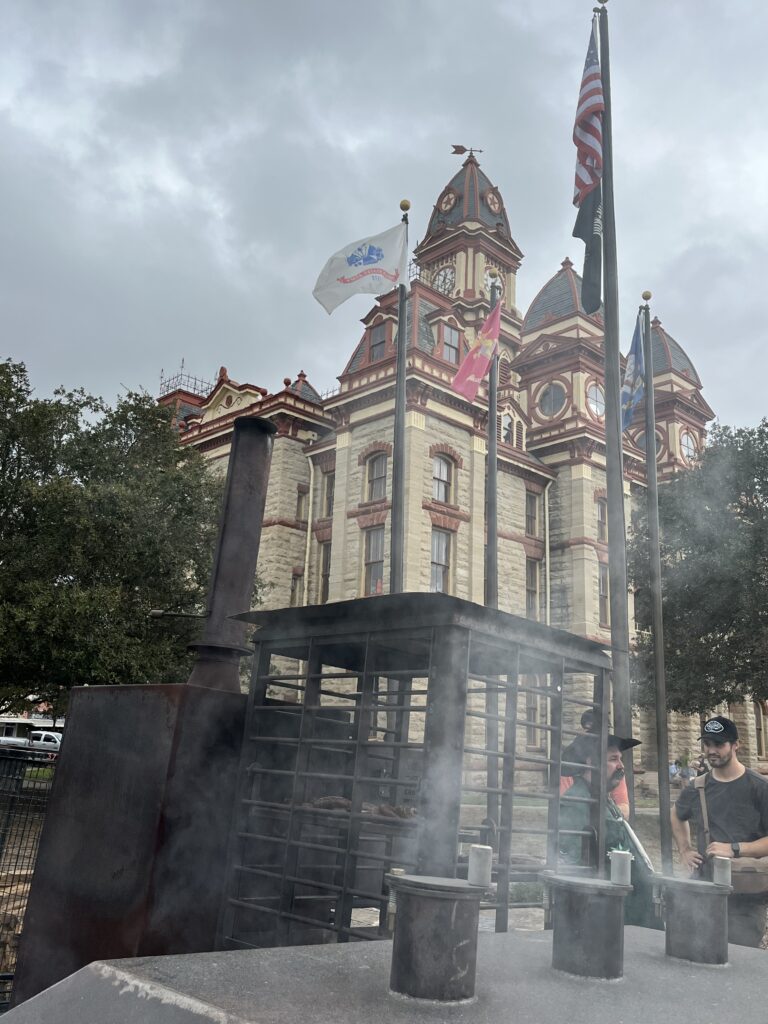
(350, 985)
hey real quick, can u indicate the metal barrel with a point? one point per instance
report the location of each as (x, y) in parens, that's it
(234, 565)
(434, 951)
(696, 919)
(588, 925)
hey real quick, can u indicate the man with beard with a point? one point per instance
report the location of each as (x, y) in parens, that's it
(574, 813)
(737, 809)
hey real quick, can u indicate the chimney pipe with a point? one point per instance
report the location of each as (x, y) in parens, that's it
(234, 564)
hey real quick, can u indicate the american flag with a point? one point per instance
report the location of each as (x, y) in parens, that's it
(588, 129)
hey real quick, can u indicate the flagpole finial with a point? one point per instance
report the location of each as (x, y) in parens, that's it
(493, 273)
(647, 295)
(405, 205)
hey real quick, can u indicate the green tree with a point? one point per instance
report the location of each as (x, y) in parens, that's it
(714, 554)
(103, 516)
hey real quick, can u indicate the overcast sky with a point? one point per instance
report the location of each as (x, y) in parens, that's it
(174, 174)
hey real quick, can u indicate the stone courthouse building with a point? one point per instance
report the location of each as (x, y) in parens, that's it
(327, 522)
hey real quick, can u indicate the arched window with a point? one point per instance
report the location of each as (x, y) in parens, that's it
(442, 479)
(504, 372)
(507, 429)
(519, 438)
(377, 477)
(378, 342)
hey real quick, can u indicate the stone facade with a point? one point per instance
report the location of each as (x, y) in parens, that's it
(331, 476)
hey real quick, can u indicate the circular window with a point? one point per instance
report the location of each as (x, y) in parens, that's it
(552, 399)
(688, 446)
(640, 442)
(596, 400)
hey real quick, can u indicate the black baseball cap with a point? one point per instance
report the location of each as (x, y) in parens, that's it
(584, 748)
(720, 730)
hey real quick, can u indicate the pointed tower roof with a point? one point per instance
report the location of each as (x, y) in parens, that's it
(559, 298)
(669, 355)
(469, 196)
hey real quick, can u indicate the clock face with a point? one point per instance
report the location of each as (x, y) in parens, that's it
(448, 202)
(444, 280)
(493, 201)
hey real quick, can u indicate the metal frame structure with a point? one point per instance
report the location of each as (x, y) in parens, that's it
(382, 733)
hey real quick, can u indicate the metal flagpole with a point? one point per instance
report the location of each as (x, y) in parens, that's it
(397, 550)
(617, 547)
(492, 562)
(657, 622)
(491, 485)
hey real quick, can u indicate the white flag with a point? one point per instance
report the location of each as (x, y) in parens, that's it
(375, 265)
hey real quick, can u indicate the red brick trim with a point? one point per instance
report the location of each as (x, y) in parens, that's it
(601, 494)
(326, 462)
(372, 449)
(322, 530)
(449, 511)
(444, 522)
(445, 449)
(534, 546)
(291, 524)
(367, 507)
(372, 519)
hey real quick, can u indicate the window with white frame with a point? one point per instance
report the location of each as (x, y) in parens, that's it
(442, 479)
(373, 581)
(441, 561)
(377, 477)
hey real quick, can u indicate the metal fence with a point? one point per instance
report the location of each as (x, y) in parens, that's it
(25, 782)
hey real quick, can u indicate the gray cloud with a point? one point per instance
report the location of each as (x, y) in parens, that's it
(174, 176)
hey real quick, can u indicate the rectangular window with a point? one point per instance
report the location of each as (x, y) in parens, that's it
(378, 342)
(374, 561)
(535, 715)
(451, 344)
(441, 562)
(532, 588)
(377, 477)
(295, 597)
(441, 479)
(602, 519)
(325, 571)
(301, 505)
(531, 514)
(329, 486)
(603, 596)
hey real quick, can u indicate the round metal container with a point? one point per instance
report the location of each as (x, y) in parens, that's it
(588, 925)
(696, 918)
(434, 951)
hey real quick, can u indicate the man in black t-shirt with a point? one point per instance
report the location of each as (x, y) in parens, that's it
(737, 808)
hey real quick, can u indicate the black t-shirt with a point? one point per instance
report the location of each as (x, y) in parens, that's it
(737, 811)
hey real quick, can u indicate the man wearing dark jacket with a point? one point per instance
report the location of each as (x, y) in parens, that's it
(737, 809)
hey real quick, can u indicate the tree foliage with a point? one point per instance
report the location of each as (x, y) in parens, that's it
(102, 518)
(714, 552)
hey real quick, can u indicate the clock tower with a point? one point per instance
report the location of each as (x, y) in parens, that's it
(467, 238)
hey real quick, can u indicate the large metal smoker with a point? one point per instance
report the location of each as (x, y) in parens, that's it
(390, 732)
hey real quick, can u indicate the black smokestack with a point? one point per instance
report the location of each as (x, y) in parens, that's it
(237, 551)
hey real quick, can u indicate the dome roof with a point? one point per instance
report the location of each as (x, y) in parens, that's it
(669, 355)
(559, 298)
(468, 196)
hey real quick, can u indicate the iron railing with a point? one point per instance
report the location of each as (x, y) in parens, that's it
(25, 782)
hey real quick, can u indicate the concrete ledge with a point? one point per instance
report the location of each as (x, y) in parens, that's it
(349, 984)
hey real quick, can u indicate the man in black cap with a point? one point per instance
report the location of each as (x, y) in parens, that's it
(583, 754)
(737, 809)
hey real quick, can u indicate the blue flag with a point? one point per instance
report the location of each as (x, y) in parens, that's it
(633, 388)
